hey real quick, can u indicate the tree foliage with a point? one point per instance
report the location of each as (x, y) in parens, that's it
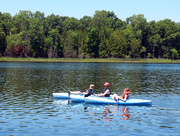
(28, 34)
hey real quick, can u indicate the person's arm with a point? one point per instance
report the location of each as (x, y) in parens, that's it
(102, 95)
(84, 93)
(87, 92)
(125, 98)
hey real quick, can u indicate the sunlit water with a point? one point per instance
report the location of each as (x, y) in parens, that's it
(28, 108)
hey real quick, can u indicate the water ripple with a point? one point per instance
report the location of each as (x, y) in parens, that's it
(28, 108)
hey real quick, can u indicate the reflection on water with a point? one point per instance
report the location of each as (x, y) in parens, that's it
(28, 108)
(107, 111)
(125, 112)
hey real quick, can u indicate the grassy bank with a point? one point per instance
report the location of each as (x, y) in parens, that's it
(121, 60)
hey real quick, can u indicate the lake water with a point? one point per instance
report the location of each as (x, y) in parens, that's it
(28, 108)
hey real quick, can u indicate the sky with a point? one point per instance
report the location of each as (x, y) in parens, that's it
(151, 9)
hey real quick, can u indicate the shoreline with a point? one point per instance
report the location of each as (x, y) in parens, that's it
(95, 60)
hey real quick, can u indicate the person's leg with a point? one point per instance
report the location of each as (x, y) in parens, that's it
(115, 97)
(77, 92)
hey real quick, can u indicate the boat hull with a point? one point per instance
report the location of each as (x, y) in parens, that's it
(77, 98)
(61, 95)
(100, 100)
(73, 97)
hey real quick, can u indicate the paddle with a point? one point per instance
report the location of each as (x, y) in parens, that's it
(69, 93)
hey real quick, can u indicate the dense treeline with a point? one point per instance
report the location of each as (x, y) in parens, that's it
(104, 35)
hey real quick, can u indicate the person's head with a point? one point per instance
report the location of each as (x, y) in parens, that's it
(106, 85)
(126, 90)
(91, 86)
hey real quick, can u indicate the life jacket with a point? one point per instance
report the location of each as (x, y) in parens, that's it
(90, 92)
(126, 93)
(107, 95)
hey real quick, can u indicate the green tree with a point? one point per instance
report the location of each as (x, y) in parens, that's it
(138, 34)
(154, 42)
(73, 35)
(52, 45)
(103, 51)
(12, 42)
(103, 35)
(85, 22)
(168, 32)
(117, 44)
(105, 19)
(2, 42)
(138, 22)
(143, 50)
(135, 47)
(91, 47)
(36, 38)
(127, 36)
(175, 54)
(68, 47)
(81, 43)
(6, 23)
(71, 24)
(20, 22)
(39, 15)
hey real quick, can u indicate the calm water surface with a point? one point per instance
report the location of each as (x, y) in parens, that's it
(28, 108)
